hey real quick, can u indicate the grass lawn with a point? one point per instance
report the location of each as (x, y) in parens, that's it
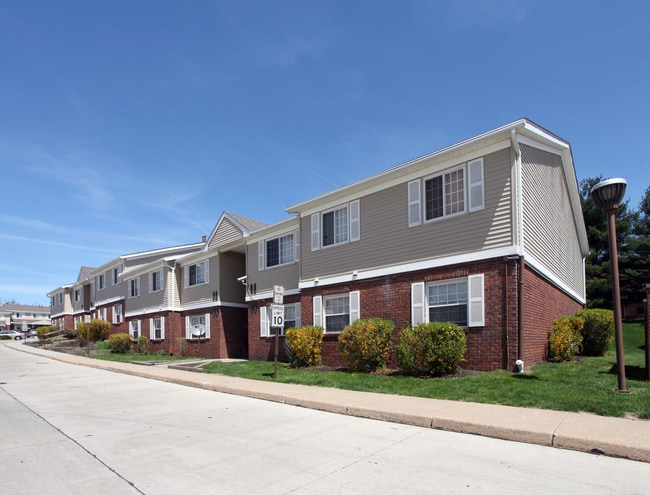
(588, 384)
(127, 358)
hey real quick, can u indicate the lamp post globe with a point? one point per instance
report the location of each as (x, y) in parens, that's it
(608, 195)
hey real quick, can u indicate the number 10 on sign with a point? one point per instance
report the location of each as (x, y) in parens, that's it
(277, 315)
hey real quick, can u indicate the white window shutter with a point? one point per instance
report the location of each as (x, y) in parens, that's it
(417, 304)
(355, 306)
(296, 245)
(476, 185)
(315, 232)
(186, 276)
(264, 322)
(150, 281)
(162, 327)
(207, 325)
(188, 330)
(415, 211)
(260, 255)
(151, 330)
(298, 317)
(317, 303)
(355, 221)
(476, 304)
(206, 264)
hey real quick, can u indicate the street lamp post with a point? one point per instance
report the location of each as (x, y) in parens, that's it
(608, 195)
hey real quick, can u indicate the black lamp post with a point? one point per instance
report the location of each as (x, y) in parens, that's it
(608, 195)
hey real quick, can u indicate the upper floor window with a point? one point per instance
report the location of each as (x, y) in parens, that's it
(60, 297)
(134, 287)
(155, 281)
(77, 295)
(115, 273)
(278, 251)
(196, 274)
(337, 226)
(101, 281)
(447, 194)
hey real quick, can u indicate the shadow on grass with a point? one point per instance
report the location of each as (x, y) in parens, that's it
(632, 372)
(524, 376)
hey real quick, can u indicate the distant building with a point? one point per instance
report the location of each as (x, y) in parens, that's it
(22, 317)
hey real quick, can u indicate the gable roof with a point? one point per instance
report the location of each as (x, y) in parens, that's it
(85, 272)
(231, 227)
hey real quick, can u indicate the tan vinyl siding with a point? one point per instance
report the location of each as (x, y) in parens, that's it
(550, 233)
(232, 266)
(386, 238)
(226, 233)
(146, 300)
(284, 275)
(199, 294)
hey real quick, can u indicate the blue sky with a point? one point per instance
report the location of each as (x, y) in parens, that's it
(132, 125)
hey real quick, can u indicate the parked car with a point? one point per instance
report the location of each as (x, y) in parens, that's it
(10, 334)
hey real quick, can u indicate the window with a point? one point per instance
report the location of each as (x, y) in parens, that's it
(445, 194)
(338, 226)
(155, 281)
(116, 274)
(60, 297)
(157, 328)
(134, 329)
(279, 251)
(77, 295)
(134, 287)
(101, 281)
(459, 301)
(197, 326)
(291, 319)
(101, 314)
(196, 274)
(117, 314)
(335, 312)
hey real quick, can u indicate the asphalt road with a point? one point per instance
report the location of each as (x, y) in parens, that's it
(71, 429)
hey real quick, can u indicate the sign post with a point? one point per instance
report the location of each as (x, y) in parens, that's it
(277, 321)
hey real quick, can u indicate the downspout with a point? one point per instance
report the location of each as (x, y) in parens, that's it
(520, 242)
(172, 305)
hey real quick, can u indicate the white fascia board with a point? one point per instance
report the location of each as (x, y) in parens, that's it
(106, 302)
(275, 230)
(269, 295)
(411, 267)
(539, 268)
(161, 251)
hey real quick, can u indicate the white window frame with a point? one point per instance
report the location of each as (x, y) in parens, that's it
(319, 304)
(152, 328)
(117, 314)
(134, 287)
(350, 232)
(115, 273)
(291, 255)
(473, 193)
(205, 267)
(101, 314)
(152, 277)
(475, 300)
(135, 329)
(191, 320)
(101, 281)
(265, 320)
(77, 295)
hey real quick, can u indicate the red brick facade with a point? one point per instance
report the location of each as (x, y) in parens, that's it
(490, 347)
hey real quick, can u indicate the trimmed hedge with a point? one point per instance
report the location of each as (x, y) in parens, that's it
(120, 343)
(566, 338)
(597, 332)
(431, 349)
(366, 344)
(304, 345)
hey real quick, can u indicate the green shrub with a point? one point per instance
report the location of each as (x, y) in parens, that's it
(566, 338)
(42, 331)
(366, 344)
(598, 331)
(99, 330)
(431, 349)
(83, 330)
(143, 344)
(103, 346)
(120, 343)
(304, 346)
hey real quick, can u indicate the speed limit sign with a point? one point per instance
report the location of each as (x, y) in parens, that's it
(277, 315)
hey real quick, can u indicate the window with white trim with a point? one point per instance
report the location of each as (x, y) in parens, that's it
(157, 328)
(77, 295)
(101, 281)
(333, 313)
(156, 281)
(134, 287)
(196, 274)
(459, 301)
(117, 314)
(291, 319)
(116, 274)
(197, 326)
(336, 226)
(134, 329)
(60, 297)
(446, 194)
(101, 314)
(278, 251)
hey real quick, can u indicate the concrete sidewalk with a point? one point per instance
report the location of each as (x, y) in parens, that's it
(628, 438)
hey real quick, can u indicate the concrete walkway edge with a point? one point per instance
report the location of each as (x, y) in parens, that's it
(619, 437)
